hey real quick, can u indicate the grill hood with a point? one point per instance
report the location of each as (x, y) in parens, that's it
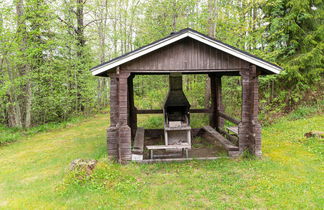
(176, 97)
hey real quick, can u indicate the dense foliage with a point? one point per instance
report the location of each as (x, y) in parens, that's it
(48, 47)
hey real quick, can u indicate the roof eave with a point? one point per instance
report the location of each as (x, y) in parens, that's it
(97, 71)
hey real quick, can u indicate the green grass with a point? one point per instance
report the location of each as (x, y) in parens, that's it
(9, 135)
(34, 173)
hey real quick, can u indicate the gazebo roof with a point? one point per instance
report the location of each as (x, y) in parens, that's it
(182, 34)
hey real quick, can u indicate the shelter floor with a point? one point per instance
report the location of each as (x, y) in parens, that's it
(201, 147)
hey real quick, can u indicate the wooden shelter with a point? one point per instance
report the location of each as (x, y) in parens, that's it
(186, 52)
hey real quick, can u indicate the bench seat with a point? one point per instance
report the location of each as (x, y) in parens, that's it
(176, 146)
(183, 147)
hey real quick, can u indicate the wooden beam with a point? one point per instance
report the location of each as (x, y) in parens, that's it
(229, 118)
(158, 133)
(160, 111)
(200, 111)
(149, 111)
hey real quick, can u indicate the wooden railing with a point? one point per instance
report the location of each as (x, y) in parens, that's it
(229, 118)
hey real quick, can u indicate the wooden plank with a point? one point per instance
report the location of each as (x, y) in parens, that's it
(172, 155)
(233, 129)
(229, 146)
(185, 54)
(139, 141)
(159, 133)
(178, 128)
(175, 159)
(176, 146)
(232, 138)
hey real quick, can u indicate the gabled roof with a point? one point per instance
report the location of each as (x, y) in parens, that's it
(176, 36)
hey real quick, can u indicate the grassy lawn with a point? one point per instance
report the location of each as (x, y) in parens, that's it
(34, 173)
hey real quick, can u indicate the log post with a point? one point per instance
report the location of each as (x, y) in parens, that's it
(255, 124)
(112, 131)
(216, 101)
(244, 126)
(124, 130)
(132, 121)
(249, 127)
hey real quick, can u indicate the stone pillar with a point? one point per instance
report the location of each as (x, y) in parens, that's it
(124, 130)
(249, 127)
(216, 101)
(112, 131)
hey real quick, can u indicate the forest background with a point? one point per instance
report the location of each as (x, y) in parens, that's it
(47, 48)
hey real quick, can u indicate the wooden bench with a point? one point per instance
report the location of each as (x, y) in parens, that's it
(139, 141)
(183, 147)
(226, 144)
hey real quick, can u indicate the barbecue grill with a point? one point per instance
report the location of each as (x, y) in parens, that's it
(177, 130)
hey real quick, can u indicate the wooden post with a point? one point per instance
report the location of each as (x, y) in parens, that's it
(244, 126)
(249, 127)
(124, 130)
(112, 131)
(255, 125)
(132, 120)
(216, 101)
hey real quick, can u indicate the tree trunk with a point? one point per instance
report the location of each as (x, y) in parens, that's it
(28, 104)
(80, 51)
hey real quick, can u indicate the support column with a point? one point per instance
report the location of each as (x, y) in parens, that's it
(112, 131)
(244, 126)
(255, 124)
(124, 129)
(132, 120)
(216, 101)
(249, 127)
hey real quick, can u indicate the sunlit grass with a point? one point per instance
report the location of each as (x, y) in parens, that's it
(34, 173)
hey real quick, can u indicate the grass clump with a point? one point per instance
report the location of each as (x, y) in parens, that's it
(105, 177)
(8, 135)
(302, 112)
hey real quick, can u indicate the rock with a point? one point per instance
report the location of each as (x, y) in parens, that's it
(318, 134)
(82, 164)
